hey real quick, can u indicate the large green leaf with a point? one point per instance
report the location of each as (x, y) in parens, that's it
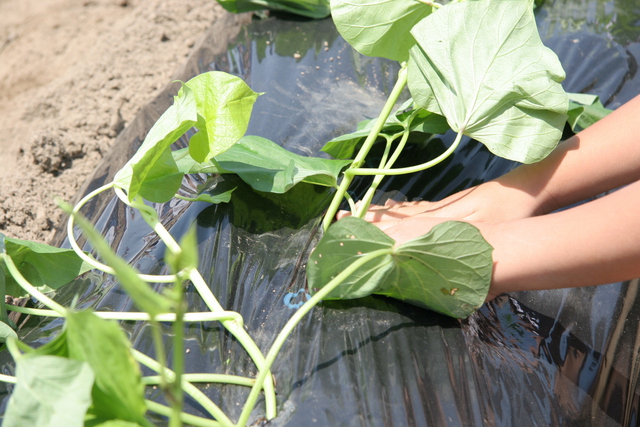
(447, 270)
(316, 9)
(482, 65)
(52, 391)
(45, 267)
(118, 392)
(218, 104)
(344, 146)
(151, 155)
(379, 28)
(224, 106)
(266, 166)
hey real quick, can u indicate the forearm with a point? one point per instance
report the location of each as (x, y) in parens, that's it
(595, 243)
(608, 157)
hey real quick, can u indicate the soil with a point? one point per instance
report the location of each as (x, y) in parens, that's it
(73, 74)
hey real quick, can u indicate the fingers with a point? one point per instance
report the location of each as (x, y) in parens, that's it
(396, 211)
(390, 211)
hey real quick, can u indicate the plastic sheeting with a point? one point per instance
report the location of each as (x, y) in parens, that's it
(566, 357)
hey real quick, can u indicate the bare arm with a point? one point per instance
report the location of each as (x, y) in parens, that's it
(602, 157)
(594, 243)
(591, 244)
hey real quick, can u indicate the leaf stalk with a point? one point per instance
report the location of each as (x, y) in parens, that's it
(293, 322)
(366, 146)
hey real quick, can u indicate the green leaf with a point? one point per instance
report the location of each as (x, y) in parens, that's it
(58, 346)
(51, 392)
(315, 9)
(6, 332)
(585, 110)
(140, 291)
(268, 167)
(482, 65)
(379, 28)
(118, 392)
(45, 267)
(224, 106)
(344, 146)
(448, 270)
(163, 181)
(218, 104)
(152, 154)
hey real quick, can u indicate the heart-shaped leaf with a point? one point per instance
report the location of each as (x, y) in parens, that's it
(175, 121)
(482, 65)
(447, 270)
(219, 105)
(224, 105)
(379, 28)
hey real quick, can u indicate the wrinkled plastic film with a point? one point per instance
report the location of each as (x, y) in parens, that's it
(537, 358)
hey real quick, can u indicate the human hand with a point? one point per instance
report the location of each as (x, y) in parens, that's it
(492, 201)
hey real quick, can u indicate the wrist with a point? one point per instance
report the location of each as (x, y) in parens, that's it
(525, 188)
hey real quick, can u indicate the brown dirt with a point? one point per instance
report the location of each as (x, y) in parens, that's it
(73, 74)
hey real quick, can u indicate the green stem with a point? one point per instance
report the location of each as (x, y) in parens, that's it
(4, 315)
(8, 379)
(185, 198)
(294, 320)
(366, 147)
(235, 328)
(150, 216)
(24, 284)
(243, 337)
(140, 316)
(178, 359)
(201, 378)
(189, 388)
(72, 237)
(14, 350)
(189, 419)
(93, 262)
(160, 354)
(411, 169)
(387, 148)
(352, 204)
(366, 200)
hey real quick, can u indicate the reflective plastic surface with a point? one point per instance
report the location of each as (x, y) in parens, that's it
(567, 357)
